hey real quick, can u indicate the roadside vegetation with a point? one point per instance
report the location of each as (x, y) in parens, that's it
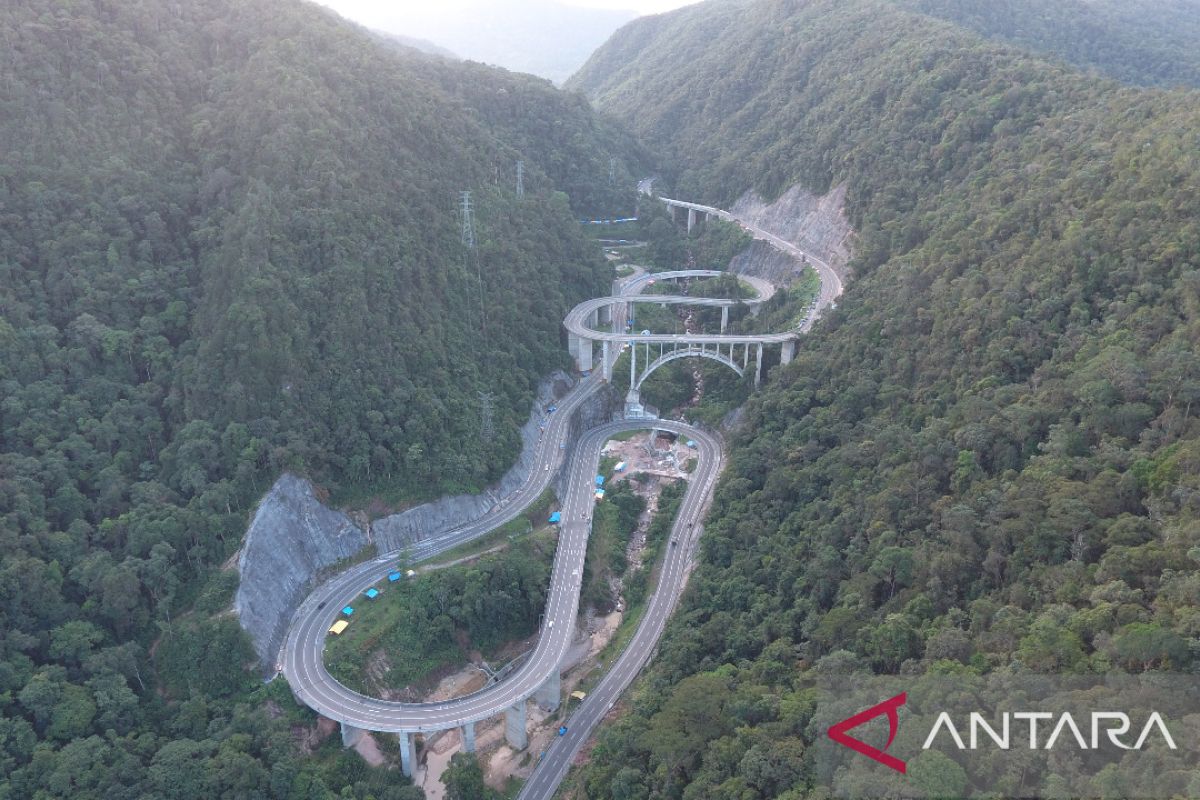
(222, 256)
(428, 622)
(985, 459)
(613, 520)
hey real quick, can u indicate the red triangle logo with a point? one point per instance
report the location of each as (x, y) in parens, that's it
(838, 732)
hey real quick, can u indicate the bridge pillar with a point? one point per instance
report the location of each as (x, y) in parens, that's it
(584, 357)
(788, 353)
(408, 752)
(724, 318)
(604, 315)
(632, 368)
(691, 219)
(633, 405)
(607, 362)
(549, 694)
(468, 737)
(672, 211)
(758, 367)
(745, 355)
(514, 727)
(573, 345)
(351, 735)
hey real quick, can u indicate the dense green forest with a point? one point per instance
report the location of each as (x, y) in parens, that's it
(229, 246)
(987, 458)
(558, 131)
(426, 623)
(1147, 42)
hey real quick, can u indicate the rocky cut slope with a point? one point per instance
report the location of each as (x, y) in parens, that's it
(986, 459)
(230, 247)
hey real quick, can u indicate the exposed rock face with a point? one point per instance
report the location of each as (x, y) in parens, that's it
(761, 260)
(401, 530)
(598, 409)
(816, 224)
(291, 538)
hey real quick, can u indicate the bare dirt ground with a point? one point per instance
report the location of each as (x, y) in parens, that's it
(309, 739)
(501, 762)
(665, 461)
(463, 682)
(368, 748)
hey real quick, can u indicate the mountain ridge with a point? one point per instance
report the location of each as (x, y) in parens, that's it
(230, 248)
(979, 463)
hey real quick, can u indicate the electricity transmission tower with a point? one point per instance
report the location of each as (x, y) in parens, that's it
(520, 179)
(468, 229)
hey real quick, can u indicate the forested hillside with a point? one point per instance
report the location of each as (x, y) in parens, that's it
(229, 246)
(987, 458)
(1147, 42)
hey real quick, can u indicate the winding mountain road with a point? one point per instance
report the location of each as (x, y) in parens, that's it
(313, 684)
(302, 658)
(831, 284)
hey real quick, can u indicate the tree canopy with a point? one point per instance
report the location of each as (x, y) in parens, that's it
(229, 246)
(985, 459)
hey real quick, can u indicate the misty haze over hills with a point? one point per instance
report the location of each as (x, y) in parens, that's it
(541, 37)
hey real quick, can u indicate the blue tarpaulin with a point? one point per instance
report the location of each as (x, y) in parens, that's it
(556, 517)
(690, 443)
(599, 480)
(348, 610)
(372, 593)
(394, 576)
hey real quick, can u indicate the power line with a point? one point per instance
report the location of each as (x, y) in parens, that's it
(468, 229)
(468, 241)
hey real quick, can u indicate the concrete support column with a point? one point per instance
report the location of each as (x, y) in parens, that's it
(607, 363)
(788, 353)
(758, 367)
(549, 694)
(408, 753)
(584, 358)
(691, 219)
(633, 403)
(592, 317)
(745, 355)
(672, 211)
(514, 727)
(573, 345)
(632, 367)
(351, 735)
(468, 737)
(724, 318)
(604, 316)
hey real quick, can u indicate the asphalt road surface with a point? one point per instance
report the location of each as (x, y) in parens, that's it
(304, 651)
(302, 659)
(553, 764)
